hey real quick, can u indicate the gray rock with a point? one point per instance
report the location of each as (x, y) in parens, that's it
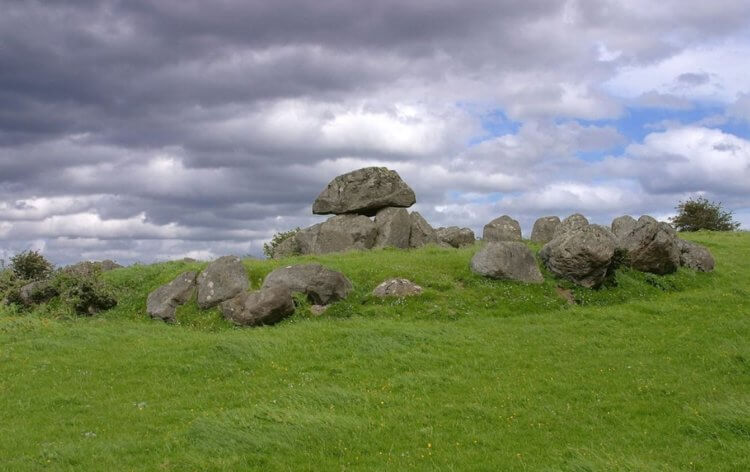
(397, 288)
(544, 229)
(507, 260)
(574, 221)
(337, 234)
(321, 285)
(651, 247)
(163, 301)
(503, 228)
(455, 237)
(40, 291)
(287, 248)
(694, 256)
(221, 280)
(263, 307)
(364, 191)
(622, 225)
(582, 255)
(394, 228)
(421, 231)
(90, 268)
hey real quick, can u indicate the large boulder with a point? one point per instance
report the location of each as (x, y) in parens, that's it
(582, 255)
(397, 288)
(694, 256)
(573, 222)
(455, 237)
(163, 302)
(503, 228)
(364, 191)
(421, 231)
(39, 291)
(221, 280)
(622, 225)
(507, 260)
(263, 307)
(337, 234)
(394, 228)
(651, 246)
(321, 285)
(544, 229)
(287, 248)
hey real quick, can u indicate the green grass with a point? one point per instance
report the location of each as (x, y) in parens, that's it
(653, 374)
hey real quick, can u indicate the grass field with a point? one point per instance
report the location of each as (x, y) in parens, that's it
(653, 374)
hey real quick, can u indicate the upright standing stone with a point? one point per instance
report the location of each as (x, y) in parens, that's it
(221, 280)
(503, 228)
(394, 228)
(421, 231)
(574, 221)
(622, 225)
(507, 260)
(582, 255)
(651, 246)
(544, 229)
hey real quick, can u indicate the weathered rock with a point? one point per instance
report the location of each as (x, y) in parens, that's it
(163, 301)
(394, 228)
(622, 225)
(262, 307)
(40, 291)
(574, 221)
(651, 246)
(421, 231)
(694, 256)
(317, 310)
(544, 229)
(90, 268)
(221, 280)
(397, 288)
(287, 248)
(321, 285)
(507, 260)
(456, 237)
(503, 228)
(338, 233)
(582, 255)
(364, 191)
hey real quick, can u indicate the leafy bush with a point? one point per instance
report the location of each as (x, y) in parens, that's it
(30, 265)
(698, 213)
(274, 248)
(85, 293)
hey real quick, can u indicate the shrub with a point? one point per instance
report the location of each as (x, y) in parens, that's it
(85, 293)
(30, 265)
(274, 248)
(698, 213)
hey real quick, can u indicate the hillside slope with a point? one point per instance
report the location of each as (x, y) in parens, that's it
(475, 374)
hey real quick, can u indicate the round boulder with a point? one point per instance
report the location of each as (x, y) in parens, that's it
(364, 191)
(694, 256)
(221, 280)
(622, 225)
(582, 255)
(321, 284)
(507, 260)
(503, 228)
(544, 229)
(651, 247)
(263, 307)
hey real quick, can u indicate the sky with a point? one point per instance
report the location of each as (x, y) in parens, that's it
(143, 131)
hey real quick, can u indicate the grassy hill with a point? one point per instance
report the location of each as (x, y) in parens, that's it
(475, 374)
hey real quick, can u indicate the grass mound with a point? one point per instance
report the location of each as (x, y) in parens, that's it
(650, 373)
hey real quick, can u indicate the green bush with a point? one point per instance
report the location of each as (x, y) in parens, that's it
(30, 265)
(86, 294)
(698, 213)
(274, 247)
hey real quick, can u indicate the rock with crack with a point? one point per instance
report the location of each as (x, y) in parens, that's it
(221, 280)
(582, 255)
(337, 234)
(393, 227)
(573, 222)
(421, 232)
(320, 284)
(266, 306)
(651, 246)
(162, 303)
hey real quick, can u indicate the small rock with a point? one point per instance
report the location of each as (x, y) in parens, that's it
(694, 256)
(221, 280)
(317, 310)
(503, 228)
(397, 288)
(507, 260)
(262, 307)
